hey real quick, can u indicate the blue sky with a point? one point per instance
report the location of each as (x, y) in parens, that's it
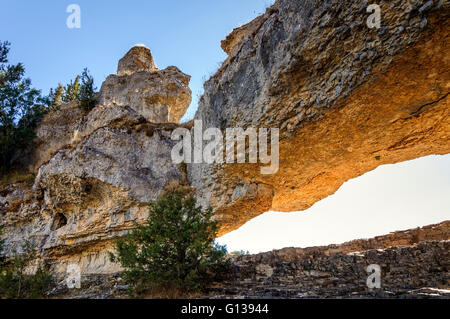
(186, 34)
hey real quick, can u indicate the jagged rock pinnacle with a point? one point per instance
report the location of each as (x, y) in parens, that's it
(160, 96)
(139, 58)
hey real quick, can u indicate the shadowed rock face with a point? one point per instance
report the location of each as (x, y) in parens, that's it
(413, 263)
(345, 97)
(417, 271)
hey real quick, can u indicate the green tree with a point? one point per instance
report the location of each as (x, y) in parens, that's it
(72, 90)
(80, 89)
(87, 91)
(56, 96)
(19, 109)
(174, 249)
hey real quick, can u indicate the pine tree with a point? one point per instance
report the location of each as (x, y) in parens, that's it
(174, 249)
(55, 97)
(87, 91)
(58, 97)
(80, 89)
(72, 90)
(18, 111)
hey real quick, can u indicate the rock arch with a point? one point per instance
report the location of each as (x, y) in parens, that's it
(347, 99)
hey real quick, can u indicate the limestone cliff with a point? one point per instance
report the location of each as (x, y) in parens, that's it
(96, 172)
(347, 99)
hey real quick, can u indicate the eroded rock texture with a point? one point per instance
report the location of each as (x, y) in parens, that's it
(96, 172)
(347, 99)
(160, 96)
(406, 272)
(414, 264)
(138, 59)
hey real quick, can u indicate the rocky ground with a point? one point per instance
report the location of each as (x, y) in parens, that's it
(408, 271)
(347, 98)
(416, 266)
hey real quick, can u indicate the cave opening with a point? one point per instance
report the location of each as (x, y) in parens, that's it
(59, 221)
(394, 197)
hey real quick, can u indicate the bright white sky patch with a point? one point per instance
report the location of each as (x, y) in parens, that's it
(392, 197)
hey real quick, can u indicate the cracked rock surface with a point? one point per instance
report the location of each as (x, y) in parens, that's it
(345, 97)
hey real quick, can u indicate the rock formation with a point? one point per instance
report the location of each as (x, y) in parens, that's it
(96, 172)
(138, 59)
(406, 271)
(346, 97)
(159, 96)
(414, 264)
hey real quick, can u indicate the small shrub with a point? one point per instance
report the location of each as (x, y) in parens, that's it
(29, 179)
(183, 168)
(174, 250)
(16, 176)
(240, 253)
(56, 97)
(72, 90)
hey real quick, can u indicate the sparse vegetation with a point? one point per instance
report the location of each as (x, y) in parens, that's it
(16, 176)
(17, 282)
(21, 108)
(240, 253)
(56, 97)
(174, 251)
(183, 168)
(80, 89)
